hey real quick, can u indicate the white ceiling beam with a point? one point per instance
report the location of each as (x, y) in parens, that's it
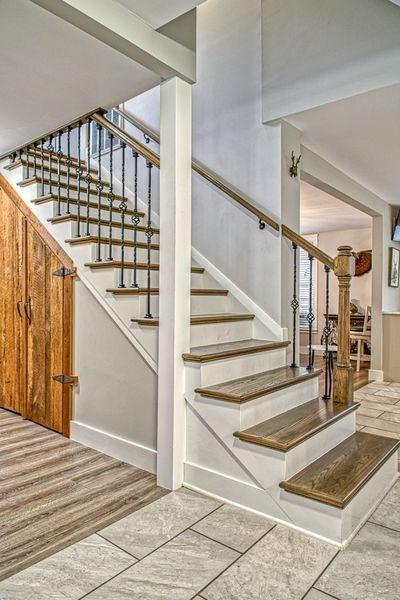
(122, 30)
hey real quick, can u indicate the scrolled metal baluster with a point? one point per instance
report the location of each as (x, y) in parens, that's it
(99, 186)
(111, 198)
(88, 179)
(310, 314)
(50, 148)
(68, 162)
(79, 172)
(42, 166)
(326, 336)
(59, 157)
(135, 218)
(149, 234)
(295, 306)
(122, 207)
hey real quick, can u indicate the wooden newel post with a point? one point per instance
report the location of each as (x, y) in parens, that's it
(343, 376)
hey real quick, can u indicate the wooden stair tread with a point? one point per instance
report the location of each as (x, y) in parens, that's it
(83, 203)
(72, 186)
(201, 319)
(337, 476)
(130, 291)
(116, 264)
(253, 386)
(63, 174)
(54, 166)
(212, 352)
(46, 154)
(93, 239)
(287, 430)
(105, 222)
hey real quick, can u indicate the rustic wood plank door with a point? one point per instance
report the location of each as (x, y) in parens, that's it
(48, 314)
(12, 293)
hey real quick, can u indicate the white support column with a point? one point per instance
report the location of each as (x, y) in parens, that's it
(175, 264)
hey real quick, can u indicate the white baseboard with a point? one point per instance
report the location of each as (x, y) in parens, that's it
(246, 301)
(117, 447)
(375, 375)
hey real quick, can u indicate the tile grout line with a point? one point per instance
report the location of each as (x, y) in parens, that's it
(320, 575)
(119, 547)
(232, 563)
(384, 526)
(326, 593)
(104, 582)
(217, 541)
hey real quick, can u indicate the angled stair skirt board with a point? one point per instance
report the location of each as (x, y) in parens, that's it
(117, 447)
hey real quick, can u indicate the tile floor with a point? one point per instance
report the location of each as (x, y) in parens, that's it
(186, 546)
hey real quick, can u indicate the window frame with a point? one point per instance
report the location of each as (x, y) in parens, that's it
(304, 289)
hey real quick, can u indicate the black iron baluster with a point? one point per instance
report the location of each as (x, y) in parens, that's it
(327, 331)
(79, 172)
(27, 162)
(295, 306)
(88, 179)
(111, 199)
(59, 157)
(34, 159)
(135, 218)
(50, 148)
(122, 207)
(149, 234)
(310, 315)
(42, 166)
(99, 187)
(68, 163)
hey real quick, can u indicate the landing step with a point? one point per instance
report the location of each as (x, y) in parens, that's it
(83, 204)
(116, 264)
(201, 319)
(203, 354)
(131, 291)
(93, 239)
(105, 222)
(341, 473)
(287, 430)
(253, 386)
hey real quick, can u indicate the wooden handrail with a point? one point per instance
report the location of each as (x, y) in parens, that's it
(208, 175)
(300, 241)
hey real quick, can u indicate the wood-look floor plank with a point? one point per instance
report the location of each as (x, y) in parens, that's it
(55, 492)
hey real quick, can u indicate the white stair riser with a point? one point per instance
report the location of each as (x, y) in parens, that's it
(201, 335)
(116, 232)
(205, 374)
(201, 305)
(109, 278)
(141, 253)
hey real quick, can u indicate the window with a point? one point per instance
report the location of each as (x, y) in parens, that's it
(304, 284)
(105, 138)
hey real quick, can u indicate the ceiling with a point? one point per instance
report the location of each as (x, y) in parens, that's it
(360, 136)
(52, 72)
(159, 12)
(321, 212)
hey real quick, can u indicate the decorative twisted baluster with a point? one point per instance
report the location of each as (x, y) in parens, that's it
(111, 198)
(149, 234)
(122, 207)
(79, 172)
(42, 166)
(326, 336)
(295, 305)
(88, 180)
(135, 217)
(68, 162)
(50, 149)
(99, 186)
(59, 157)
(310, 315)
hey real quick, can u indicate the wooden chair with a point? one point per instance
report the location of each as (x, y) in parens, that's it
(362, 337)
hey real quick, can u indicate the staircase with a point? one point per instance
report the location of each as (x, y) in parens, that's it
(258, 433)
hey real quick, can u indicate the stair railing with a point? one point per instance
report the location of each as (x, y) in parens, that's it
(53, 151)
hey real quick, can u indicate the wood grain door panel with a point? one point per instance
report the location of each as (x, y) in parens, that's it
(12, 293)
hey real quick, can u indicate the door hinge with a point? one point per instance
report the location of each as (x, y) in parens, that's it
(66, 379)
(64, 272)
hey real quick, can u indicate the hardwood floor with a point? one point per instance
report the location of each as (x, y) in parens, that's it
(55, 492)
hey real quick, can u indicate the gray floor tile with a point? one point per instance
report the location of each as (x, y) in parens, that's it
(237, 528)
(69, 574)
(176, 571)
(149, 528)
(388, 512)
(369, 569)
(282, 566)
(317, 595)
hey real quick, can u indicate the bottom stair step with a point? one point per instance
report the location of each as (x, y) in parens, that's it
(287, 430)
(337, 476)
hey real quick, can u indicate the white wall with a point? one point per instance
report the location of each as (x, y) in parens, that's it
(319, 51)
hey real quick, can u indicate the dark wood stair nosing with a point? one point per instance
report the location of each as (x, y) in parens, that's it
(200, 319)
(103, 222)
(92, 204)
(155, 291)
(116, 264)
(268, 443)
(268, 346)
(92, 239)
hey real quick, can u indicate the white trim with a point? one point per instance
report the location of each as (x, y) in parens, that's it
(115, 446)
(375, 375)
(233, 289)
